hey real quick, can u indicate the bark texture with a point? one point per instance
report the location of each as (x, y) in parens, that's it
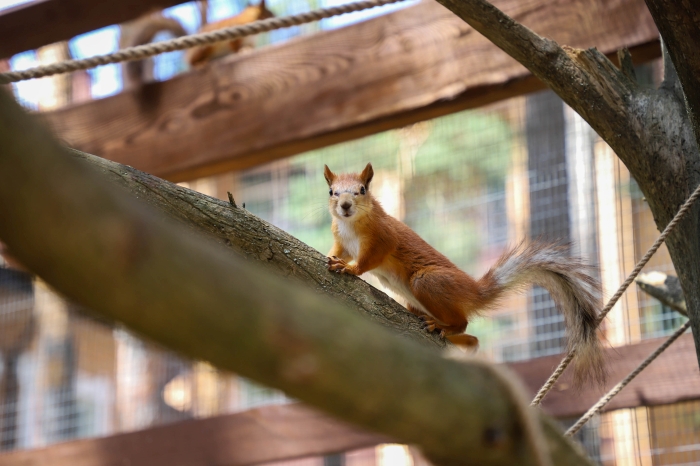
(104, 249)
(650, 130)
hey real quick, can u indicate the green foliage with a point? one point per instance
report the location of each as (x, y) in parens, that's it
(472, 148)
(464, 160)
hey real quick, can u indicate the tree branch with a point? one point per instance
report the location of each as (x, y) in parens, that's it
(259, 241)
(615, 107)
(586, 80)
(665, 288)
(102, 248)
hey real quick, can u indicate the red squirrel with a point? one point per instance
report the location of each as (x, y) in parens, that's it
(367, 239)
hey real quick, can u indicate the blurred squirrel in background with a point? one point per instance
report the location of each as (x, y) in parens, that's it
(199, 56)
(367, 239)
(142, 31)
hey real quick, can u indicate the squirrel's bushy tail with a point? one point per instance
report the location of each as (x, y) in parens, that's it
(574, 290)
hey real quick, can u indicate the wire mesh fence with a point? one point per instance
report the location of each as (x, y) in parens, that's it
(472, 184)
(659, 435)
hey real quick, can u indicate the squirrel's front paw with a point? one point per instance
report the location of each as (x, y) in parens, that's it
(338, 265)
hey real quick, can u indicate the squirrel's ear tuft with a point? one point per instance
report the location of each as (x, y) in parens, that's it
(328, 174)
(366, 175)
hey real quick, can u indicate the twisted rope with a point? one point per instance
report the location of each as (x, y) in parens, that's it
(640, 265)
(148, 50)
(617, 388)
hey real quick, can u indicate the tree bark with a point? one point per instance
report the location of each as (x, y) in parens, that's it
(102, 248)
(649, 130)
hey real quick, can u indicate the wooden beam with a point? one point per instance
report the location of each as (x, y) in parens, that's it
(673, 377)
(407, 66)
(42, 22)
(267, 434)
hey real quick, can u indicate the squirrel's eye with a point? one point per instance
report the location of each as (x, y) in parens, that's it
(330, 192)
(362, 190)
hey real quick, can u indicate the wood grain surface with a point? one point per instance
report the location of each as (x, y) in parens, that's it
(43, 22)
(271, 433)
(417, 63)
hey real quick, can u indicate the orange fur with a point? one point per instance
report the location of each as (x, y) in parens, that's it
(198, 56)
(367, 239)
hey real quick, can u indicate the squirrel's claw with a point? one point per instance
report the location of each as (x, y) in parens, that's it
(338, 265)
(430, 325)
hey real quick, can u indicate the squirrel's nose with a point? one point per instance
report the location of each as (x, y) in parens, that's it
(346, 205)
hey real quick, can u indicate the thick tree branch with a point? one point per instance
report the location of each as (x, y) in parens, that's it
(586, 80)
(257, 240)
(102, 248)
(619, 111)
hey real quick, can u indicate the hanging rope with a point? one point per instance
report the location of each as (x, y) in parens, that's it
(657, 244)
(617, 388)
(148, 50)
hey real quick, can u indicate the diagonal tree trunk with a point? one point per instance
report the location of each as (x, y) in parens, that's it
(650, 130)
(250, 237)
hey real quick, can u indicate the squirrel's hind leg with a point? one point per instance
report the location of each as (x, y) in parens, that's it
(430, 324)
(440, 294)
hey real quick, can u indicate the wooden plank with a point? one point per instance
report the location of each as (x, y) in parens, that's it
(272, 433)
(410, 65)
(42, 22)
(672, 377)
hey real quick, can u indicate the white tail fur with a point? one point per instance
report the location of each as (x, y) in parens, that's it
(574, 290)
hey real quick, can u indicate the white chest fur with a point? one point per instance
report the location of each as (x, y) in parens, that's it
(351, 242)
